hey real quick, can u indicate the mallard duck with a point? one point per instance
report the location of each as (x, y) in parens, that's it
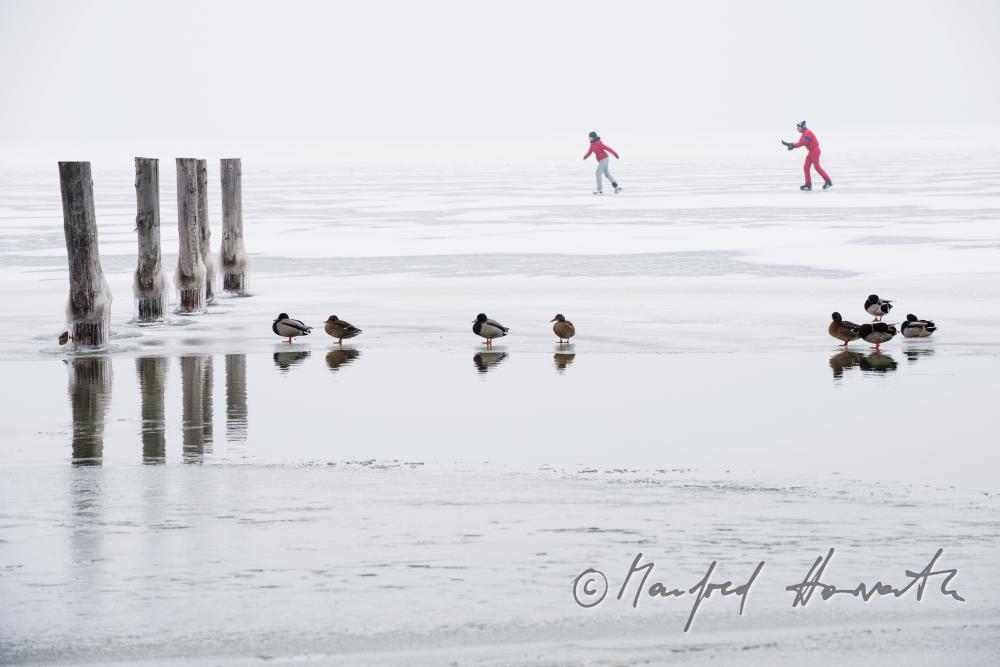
(914, 328)
(563, 328)
(286, 327)
(843, 330)
(877, 333)
(340, 329)
(64, 338)
(488, 329)
(877, 307)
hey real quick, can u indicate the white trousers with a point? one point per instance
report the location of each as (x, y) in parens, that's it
(602, 172)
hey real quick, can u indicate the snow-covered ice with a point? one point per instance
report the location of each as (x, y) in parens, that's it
(203, 491)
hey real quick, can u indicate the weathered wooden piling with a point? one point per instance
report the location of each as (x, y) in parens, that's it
(90, 380)
(233, 256)
(190, 276)
(89, 307)
(150, 283)
(205, 232)
(152, 374)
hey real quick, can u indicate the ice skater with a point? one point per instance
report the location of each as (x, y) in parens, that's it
(811, 143)
(600, 152)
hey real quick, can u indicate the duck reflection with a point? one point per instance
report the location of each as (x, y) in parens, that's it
(563, 359)
(877, 362)
(196, 406)
(844, 360)
(236, 397)
(341, 357)
(89, 397)
(484, 361)
(285, 360)
(152, 375)
(915, 353)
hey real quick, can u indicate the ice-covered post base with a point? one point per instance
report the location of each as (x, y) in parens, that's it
(149, 283)
(89, 304)
(205, 232)
(233, 256)
(190, 276)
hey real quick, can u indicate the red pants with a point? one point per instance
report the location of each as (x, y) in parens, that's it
(812, 160)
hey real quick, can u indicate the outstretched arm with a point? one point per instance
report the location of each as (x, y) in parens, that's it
(611, 150)
(589, 153)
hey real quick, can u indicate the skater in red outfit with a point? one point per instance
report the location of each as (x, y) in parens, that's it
(600, 152)
(811, 144)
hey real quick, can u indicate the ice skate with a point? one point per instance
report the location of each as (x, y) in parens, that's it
(806, 187)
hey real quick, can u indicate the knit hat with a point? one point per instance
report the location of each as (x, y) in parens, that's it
(593, 136)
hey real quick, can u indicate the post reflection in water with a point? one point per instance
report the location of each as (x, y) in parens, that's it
(285, 360)
(89, 398)
(236, 397)
(337, 358)
(196, 407)
(484, 361)
(563, 359)
(152, 374)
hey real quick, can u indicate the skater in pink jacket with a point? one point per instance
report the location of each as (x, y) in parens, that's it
(811, 144)
(600, 152)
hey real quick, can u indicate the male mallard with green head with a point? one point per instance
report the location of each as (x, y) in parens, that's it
(286, 327)
(877, 333)
(914, 328)
(563, 328)
(877, 307)
(340, 329)
(488, 329)
(843, 330)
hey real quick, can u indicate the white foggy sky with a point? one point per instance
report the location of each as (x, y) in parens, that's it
(349, 80)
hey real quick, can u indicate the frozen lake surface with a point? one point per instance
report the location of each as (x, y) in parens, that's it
(202, 491)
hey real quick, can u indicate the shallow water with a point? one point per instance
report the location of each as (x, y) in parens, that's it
(202, 490)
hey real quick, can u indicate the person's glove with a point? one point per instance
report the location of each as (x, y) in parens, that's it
(788, 145)
(617, 157)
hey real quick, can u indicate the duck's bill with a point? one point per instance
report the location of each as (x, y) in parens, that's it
(552, 320)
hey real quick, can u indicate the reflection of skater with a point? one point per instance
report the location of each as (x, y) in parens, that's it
(811, 143)
(600, 152)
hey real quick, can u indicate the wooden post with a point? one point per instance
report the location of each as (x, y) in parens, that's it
(89, 397)
(236, 397)
(205, 232)
(190, 277)
(152, 374)
(150, 283)
(233, 257)
(88, 310)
